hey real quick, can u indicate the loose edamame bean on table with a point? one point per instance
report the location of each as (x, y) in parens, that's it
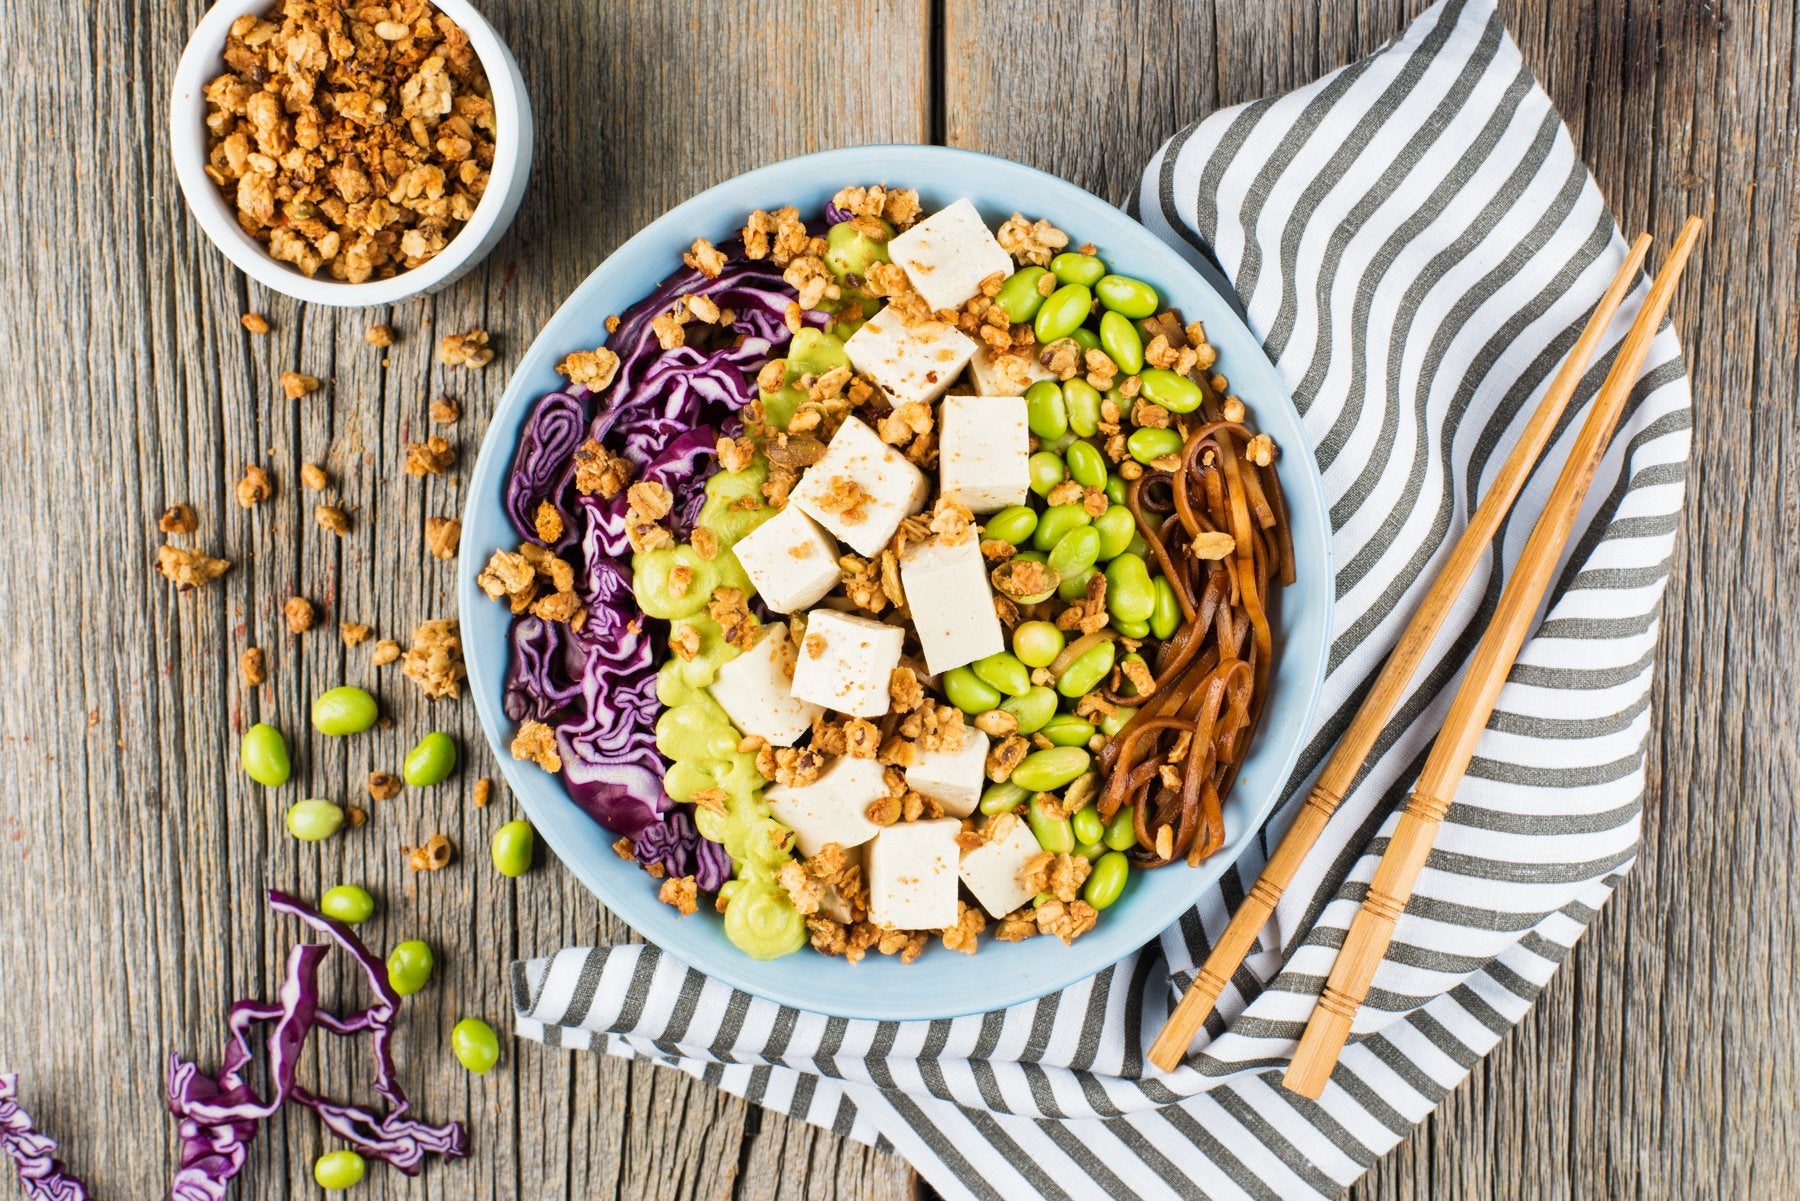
(1045, 413)
(339, 1170)
(1049, 770)
(348, 904)
(1013, 524)
(1037, 643)
(512, 848)
(344, 710)
(409, 967)
(431, 761)
(475, 1044)
(313, 819)
(264, 755)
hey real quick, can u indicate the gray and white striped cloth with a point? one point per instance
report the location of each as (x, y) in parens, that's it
(1417, 244)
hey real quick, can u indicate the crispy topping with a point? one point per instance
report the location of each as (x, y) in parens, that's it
(536, 743)
(969, 924)
(847, 498)
(738, 627)
(385, 652)
(444, 411)
(952, 522)
(1030, 242)
(592, 369)
(441, 536)
(294, 385)
(905, 690)
(332, 518)
(434, 661)
(705, 543)
(434, 856)
(598, 471)
(648, 503)
(705, 258)
(1004, 756)
(469, 350)
(484, 788)
(681, 892)
(299, 614)
(736, 454)
(1021, 579)
(312, 477)
(1067, 921)
(254, 488)
(383, 785)
(430, 457)
(1062, 358)
(251, 663)
(256, 323)
(1213, 544)
(547, 521)
(379, 335)
(178, 519)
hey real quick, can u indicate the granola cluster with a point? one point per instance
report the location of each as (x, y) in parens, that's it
(536, 581)
(353, 138)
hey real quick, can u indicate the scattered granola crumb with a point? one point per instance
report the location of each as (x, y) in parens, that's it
(294, 384)
(434, 856)
(681, 892)
(625, 850)
(299, 613)
(705, 258)
(441, 535)
(548, 522)
(536, 743)
(1033, 242)
(178, 519)
(252, 664)
(430, 457)
(332, 518)
(385, 652)
(188, 568)
(970, 922)
(445, 411)
(256, 323)
(255, 487)
(353, 633)
(465, 350)
(355, 816)
(598, 471)
(484, 788)
(592, 369)
(313, 478)
(379, 335)
(384, 785)
(434, 662)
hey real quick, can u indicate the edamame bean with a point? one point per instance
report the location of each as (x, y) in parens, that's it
(1046, 771)
(336, 1171)
(1148, 444)
(1062, 314)
(1043, 898)
(1082, 675)
(1072, 267)
(512, 847)
(1131, 629)
(1003, 671)
(1057, 521)
(312, 819)
(1176, 393)
(1113, 722)
(475, 1045)
(264, 755)
(1032, 708)
(1115, 527)
(1115, 488)
(1078, 551)
(1082, 400)
(1046, 470)
(1037, 643)
(1126, 296)
(1003, 798)
(348, 904)
(1089, 850)
(1045, 412)
(1107, 880)
(1019, 297)
(1086, 338)
(1075, 587)
(1165, 618)
(409, 967)
(1087, 466)
(431, 761)
(1052, 833)
(1065, 729)
(1138, 547)
(849, 251)
(344, 710)
(1013, 524)
(969, 692)
(1121, 835)
(1119, 339)
(1087, 824)
(1130, 596)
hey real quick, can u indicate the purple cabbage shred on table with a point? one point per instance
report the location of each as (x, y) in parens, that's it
(220, 1114)
(43, 1175)
(664, 411)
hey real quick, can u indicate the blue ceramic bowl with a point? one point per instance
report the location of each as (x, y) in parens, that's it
(940, 983)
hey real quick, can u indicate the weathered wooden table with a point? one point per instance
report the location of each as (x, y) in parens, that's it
(133, 854)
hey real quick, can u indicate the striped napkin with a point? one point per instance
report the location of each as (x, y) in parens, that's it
(1417, 245)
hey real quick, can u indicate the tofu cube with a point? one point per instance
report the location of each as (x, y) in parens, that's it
(954, 779)
(909, 362)
(756, 690)
(862, 489)
(952, 607)
(912, 875)
(995, 870)
(984, 451)
(948, 254)
(845, 662)
(790, 559)
(1005, 374)
(833, 808)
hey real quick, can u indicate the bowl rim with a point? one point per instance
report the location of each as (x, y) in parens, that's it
(201, 60)
(639, 908)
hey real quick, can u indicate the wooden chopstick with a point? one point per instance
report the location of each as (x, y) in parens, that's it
(1372, 930)
(1384, 696)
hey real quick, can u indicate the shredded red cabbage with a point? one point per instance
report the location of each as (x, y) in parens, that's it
(665, 411)
(43, 1175)
(220, 1114)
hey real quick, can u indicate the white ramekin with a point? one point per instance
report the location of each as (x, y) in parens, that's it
(203, 60)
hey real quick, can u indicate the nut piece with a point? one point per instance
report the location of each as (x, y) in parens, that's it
(383, 785)
(484, 787)
(434, 661)
(385, 652)
(252, 665)
(441, 535)
(430, 457)
(187, 568)
(592, 369)
(445, 411)
(256, 323)
(379, 335)
(299, 613)
(536, 743)
(465, 350)
(254, 488)
(332, 518)
(295, 385)
(178, 519)
(681, 892)
(434, 856)
(353, 633)
(313, 478)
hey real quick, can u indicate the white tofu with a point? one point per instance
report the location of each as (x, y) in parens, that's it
(833, 808)
(790, 559)
(1005, 374)
(856, 658)
(952, 607)
(912, 875)
(948, 254)
(909, 362)
(893, 488)
(984, 451)
(994, 871)
(756, 690)
(954, 779)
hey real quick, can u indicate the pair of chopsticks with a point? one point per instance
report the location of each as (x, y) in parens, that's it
(1371, 931)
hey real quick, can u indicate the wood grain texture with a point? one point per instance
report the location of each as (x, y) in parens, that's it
(1659, 1063)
